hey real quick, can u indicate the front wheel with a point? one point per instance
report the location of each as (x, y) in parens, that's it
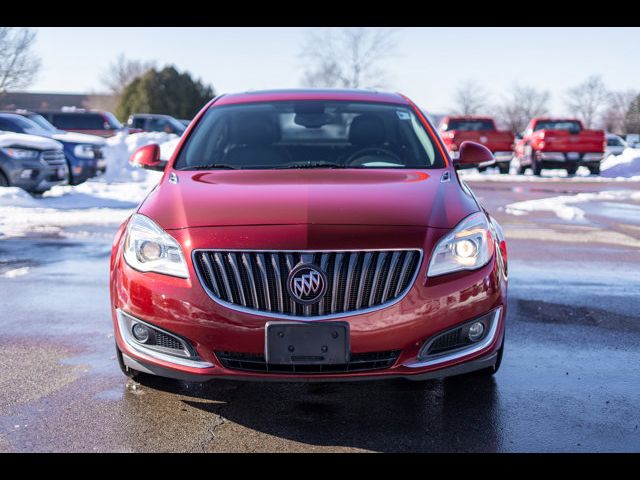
(572, 169)
(536, 167)
(3, 180)
(595, 170)
(504, 168)
(128, 372)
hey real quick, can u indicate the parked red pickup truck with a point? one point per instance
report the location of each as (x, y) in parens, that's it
(457, 129)
(560, 143)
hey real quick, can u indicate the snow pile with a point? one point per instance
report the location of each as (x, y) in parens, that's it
(563, 207)
(104, 201)
(119, 148)
(627, 164)
(92, 203)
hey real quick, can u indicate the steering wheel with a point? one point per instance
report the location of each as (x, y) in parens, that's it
(377, 150)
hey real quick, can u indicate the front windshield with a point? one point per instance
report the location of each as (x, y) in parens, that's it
(19, 124)
(309, 134)
(42, 122)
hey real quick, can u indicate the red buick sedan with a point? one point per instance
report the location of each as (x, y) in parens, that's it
(310, 235)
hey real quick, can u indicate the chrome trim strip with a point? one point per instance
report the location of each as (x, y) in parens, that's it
(124, 333)
(447, 357)
(261, 313)
(387, 285)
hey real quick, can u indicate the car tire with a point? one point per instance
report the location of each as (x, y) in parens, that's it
(504, 168)
(536, 167)
(572, 169)
(128, 372)
(490, 371)
(595, 170)
(3, 180)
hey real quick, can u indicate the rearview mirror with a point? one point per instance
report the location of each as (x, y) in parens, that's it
(148, 157)
(473, 155)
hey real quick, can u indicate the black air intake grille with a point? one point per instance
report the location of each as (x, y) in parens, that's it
(354, 280)
(359, 362)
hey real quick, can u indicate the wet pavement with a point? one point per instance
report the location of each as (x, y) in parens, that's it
(569, 379)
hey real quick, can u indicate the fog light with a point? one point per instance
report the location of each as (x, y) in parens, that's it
(475, 331)
(140, 332)
(26, 173)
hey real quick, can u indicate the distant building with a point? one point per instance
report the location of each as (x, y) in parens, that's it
(55, 101)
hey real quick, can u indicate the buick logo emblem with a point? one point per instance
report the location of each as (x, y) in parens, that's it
(307, 284)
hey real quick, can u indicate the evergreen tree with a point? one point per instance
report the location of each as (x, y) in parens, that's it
(166, 91)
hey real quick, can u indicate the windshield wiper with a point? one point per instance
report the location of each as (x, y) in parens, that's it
(313, 165)
(210, 166)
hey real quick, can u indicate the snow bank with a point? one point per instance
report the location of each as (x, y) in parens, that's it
(103, 201)
(563, 205)
(626, 165)
(118, 150)
(93, 203)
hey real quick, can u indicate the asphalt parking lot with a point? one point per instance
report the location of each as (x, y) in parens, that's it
(569, 380)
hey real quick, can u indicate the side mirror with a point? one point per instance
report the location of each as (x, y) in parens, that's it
(472, 155)
(148, 157)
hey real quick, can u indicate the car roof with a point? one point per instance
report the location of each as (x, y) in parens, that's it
(469, 117)
(356, 95)
(150, 115)
(10, 114)
(555, 119)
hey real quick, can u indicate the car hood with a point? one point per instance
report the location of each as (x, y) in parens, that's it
(327, 197)
(17, 140)
(73, 137)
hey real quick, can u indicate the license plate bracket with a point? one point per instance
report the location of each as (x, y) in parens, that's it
(301, 343)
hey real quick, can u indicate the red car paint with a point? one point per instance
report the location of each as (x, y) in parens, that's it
(316, 210)
(456, 129)
(571, 147)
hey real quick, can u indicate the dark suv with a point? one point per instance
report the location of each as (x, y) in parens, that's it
(151, 122)
(92, 122)
(33, 163)
(84, 153)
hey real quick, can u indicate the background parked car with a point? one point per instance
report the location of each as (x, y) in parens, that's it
(459, 128)
(615, 145)
(84, 153)
(30, 162)
(560, 143)
(151, 122)
(92, 122)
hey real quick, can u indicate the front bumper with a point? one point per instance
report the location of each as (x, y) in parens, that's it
(431, 306)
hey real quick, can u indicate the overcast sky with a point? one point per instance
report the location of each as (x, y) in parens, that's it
(428, 66)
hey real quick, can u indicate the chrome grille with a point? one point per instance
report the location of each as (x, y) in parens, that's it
(356, 280)
(54, 157)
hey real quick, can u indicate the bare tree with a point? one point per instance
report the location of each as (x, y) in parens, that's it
(470, 98)
(18, 65)
(347, 57)
(613, 118)
(520, 105)
(632, 117)
(122, 72)
(587, 100)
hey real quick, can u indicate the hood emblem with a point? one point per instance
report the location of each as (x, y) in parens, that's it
(307, 284)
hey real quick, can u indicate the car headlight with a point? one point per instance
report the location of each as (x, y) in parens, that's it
(468, 246)
(83, 151)
(21, 153)
(148, 248)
